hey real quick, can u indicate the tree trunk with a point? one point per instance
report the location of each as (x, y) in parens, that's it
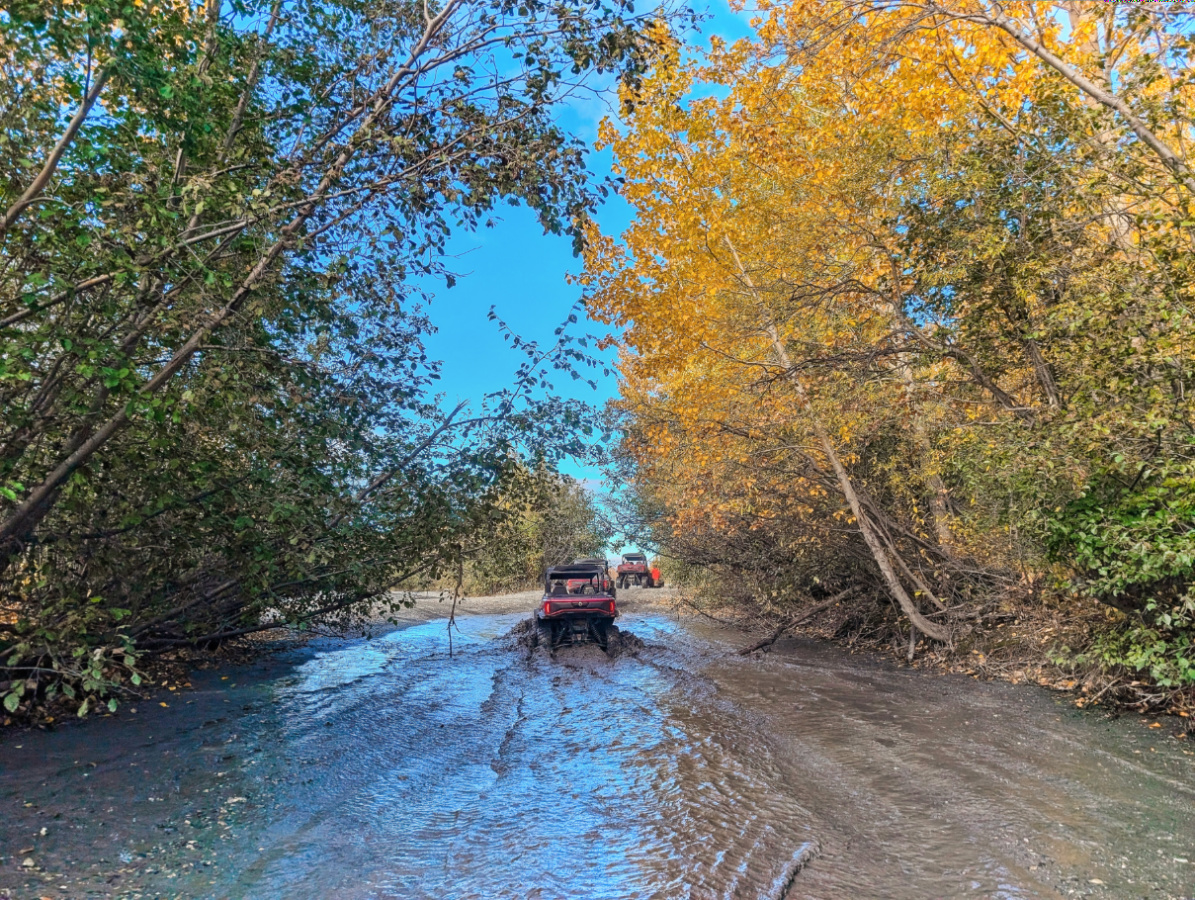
(878, 553)
(939, 505)
(1043, 372)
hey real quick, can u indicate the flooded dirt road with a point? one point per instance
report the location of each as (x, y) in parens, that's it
(383, 768)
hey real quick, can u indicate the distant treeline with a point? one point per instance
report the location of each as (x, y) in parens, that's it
(548, 520)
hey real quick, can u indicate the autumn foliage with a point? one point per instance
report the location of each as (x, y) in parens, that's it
(907, 316)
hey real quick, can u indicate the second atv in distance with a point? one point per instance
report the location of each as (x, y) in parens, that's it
(634, 570)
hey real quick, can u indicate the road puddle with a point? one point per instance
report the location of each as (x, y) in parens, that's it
(386, 768)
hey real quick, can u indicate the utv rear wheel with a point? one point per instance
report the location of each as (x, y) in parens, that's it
(611, 638)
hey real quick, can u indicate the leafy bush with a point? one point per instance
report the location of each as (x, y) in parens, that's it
(1167, 657)
(1132, 545)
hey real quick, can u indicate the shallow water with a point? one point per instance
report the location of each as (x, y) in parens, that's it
(384, 768)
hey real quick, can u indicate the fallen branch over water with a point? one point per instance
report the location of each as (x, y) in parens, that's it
(697, 609)
(793, 623)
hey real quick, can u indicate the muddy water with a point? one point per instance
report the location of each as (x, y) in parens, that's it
(383, 768)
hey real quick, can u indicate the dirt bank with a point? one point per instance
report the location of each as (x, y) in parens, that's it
(1021, 643)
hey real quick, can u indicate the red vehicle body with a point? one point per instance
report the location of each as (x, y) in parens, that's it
(578, 614)
(634, 570)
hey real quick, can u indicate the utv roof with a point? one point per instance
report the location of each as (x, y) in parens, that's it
(576, 570)
(634, 556)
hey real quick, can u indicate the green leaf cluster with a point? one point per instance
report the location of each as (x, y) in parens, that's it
(218, 413)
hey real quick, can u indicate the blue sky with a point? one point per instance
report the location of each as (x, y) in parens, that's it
(520, 271)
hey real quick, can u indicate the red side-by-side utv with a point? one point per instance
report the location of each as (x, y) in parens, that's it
(578, 605)
(634, 570)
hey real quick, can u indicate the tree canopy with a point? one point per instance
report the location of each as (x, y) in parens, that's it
(906, 301)
(218, 412)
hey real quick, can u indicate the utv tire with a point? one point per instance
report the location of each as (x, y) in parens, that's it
(650, 582)
(601, 632)
(610, 637)
(545, 634)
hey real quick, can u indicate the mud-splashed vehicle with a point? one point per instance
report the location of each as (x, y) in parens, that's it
(578, 606)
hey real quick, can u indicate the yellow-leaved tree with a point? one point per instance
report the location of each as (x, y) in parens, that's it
(906, 282)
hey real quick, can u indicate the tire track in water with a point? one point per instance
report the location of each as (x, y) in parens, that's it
(384, 769)
(613, 758)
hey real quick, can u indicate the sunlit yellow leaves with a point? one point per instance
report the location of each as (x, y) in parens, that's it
(804, 147)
